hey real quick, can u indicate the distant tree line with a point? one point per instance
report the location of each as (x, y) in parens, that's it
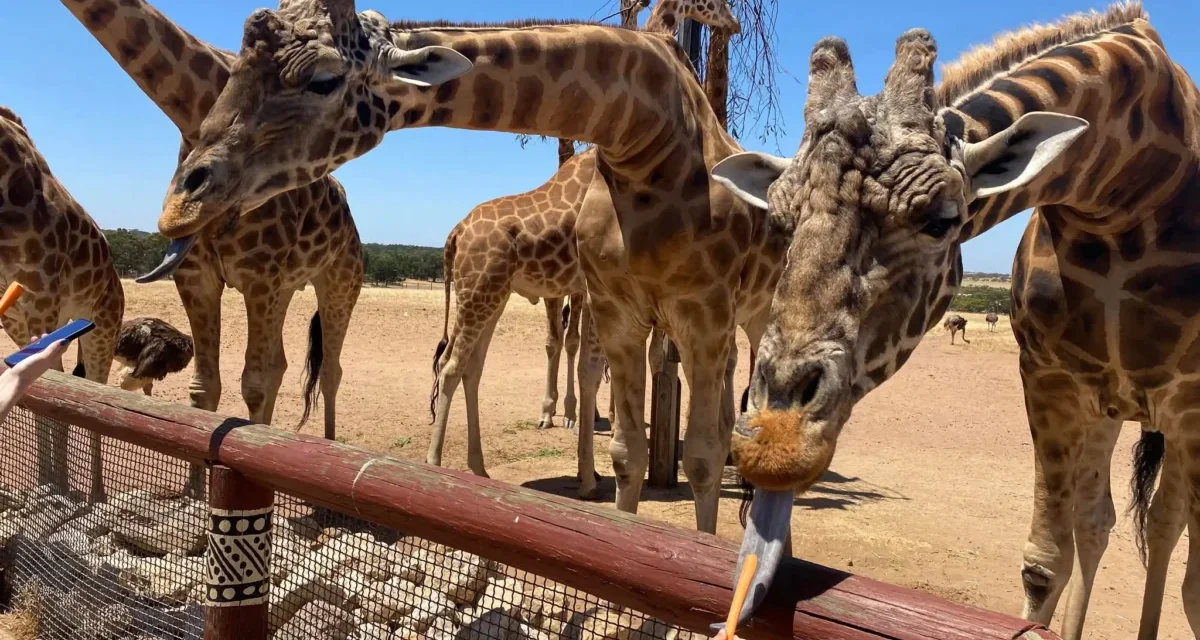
(981, 299)
(136, 252)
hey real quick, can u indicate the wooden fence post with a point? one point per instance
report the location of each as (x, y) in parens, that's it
(238, 558)
(664, 421)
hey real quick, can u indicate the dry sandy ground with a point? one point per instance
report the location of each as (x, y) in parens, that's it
(930, 488)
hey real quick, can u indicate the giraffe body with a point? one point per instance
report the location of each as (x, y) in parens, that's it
(526, 244)
(1090, 122)
(52, 246)
(267, 253)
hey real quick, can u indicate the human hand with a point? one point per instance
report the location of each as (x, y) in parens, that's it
(34, 366)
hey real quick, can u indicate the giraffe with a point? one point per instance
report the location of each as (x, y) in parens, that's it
(1091, 122)
(267, 252)
(991, 318)
(526, 243)
(954, 324)
(52, 246)
(660, 245)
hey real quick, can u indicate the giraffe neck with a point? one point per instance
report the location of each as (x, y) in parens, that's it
(633, 95)
(716, 75)
(181, 74)
(1136, 153)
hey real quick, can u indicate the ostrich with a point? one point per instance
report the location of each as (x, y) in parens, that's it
(954, 324)
(149, 349)
(992, 319)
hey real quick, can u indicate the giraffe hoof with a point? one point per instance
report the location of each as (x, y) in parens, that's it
(545, 423)
(590, 494)
(569, 423)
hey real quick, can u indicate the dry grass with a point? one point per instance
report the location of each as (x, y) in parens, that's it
(24, 622)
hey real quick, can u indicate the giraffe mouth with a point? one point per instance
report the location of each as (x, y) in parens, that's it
(176, 252)
(766, 536)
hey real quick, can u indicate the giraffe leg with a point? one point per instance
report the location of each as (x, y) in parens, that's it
(624, 345)
(1059, 430)
(554, 347)
(96, 352)
(472, 374)
(591, 370)
(572, 343)
(266, 361)
(728, 410)
(706, 440)
(336, 299)
(1094, 519)
(475, 312)
(200, 292)
(148, 388)
(1165, 521)
(1191, 577)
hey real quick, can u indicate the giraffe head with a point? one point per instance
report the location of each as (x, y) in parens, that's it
(308, 77)
(715, 13)
(874, 201)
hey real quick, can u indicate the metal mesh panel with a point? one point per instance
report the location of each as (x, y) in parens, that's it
(130, 567)
(336, 576)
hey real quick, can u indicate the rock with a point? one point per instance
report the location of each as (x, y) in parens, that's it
(44, 514)
(489, 625)
(171, 577)
(607, 624)
(287, 554)
(389, 601)
(180, 531)
(507, 595)
(409, 567)
(70, 541)
(96, 519)
(10, 499)
(546, 608)
(374, 631)
(103, 545)
(442, 628)
(303, 586)
(354, 584)
(360, 552)
(306, 528)
(426, 605)
(318, 620)
(461, 576)
(10, 527)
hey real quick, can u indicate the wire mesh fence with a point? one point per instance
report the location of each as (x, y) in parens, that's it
(131, 563)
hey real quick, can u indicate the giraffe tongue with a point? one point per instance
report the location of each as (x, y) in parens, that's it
(766, 533)
(176, 251)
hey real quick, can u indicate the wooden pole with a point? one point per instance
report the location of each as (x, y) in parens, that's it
(238, 557)
(664, 421)
(671, 573)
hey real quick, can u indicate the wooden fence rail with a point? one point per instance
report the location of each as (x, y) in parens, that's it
(680, 576)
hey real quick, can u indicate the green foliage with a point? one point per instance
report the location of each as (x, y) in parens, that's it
(981, 299)
(137, 252)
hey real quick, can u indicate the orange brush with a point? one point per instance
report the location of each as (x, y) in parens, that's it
(739, 595)
(13, 292)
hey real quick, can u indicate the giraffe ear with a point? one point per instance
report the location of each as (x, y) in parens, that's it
(427, 66)
(1013, 157)
(749, 175)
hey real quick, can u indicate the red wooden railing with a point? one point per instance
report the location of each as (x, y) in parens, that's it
(677, 575)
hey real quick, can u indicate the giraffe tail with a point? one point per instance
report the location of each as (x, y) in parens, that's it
(1147, 460)
(312, 366)
(448, 253)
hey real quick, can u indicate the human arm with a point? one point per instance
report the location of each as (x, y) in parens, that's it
(14, 381)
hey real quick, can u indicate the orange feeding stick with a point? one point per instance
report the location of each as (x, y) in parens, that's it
(739, 594)
(11, 294)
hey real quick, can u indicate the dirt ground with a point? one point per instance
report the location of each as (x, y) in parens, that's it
(931, 486)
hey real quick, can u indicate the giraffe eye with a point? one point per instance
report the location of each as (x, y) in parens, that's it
(324, 83)
(939, 227)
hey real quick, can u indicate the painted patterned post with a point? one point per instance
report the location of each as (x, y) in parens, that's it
(238, 559)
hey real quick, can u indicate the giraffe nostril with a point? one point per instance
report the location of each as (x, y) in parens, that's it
(196, 179)
(810, 385)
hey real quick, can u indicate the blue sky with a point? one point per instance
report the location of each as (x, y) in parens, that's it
(115, 151)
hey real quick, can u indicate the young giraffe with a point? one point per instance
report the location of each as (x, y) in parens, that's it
(526, 243)
(1091, 122)
(954, 324)
(660, 246)
(267, 253)
(50, 245)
